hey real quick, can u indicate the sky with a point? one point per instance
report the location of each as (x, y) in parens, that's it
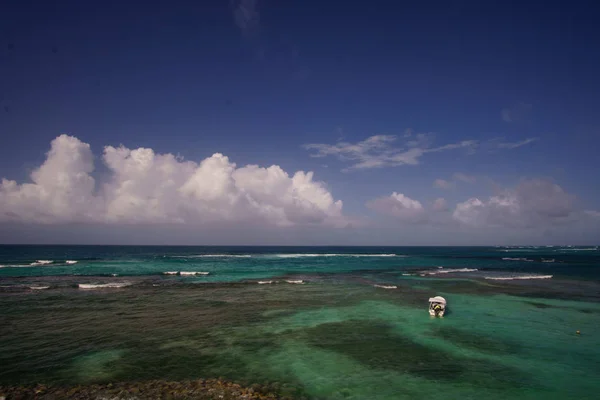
(300, 122)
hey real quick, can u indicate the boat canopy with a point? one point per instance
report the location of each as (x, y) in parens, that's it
(438, 299)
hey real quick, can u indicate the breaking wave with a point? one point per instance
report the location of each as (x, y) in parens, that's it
(297, 282)
(71, 262)
(511, 278)
(386, 287)
(215, 256)
(441, 270)
(516, 259)
(41, 262)
(103, 285)
(302, 255)
(192, 273)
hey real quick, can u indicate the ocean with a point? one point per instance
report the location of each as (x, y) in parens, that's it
(311, 322)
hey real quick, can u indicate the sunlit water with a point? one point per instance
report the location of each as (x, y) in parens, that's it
(335, 335)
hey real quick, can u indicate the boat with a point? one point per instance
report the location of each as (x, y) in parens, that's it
(437, 306)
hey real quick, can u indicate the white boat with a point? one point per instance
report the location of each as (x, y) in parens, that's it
(437, 306)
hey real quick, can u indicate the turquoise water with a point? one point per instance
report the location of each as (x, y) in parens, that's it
(510, 331)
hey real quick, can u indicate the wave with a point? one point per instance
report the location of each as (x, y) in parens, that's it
(516, 259)
(71, 262)
(302, 255)
(185, 273)
(265, 282)
(441, 270)
(215, 256)
(578, 249)
(549, 260)
(386, 287)
(103, 285)
(191, 273)
(39, 287)
(297, 282)
(511, 278)
(41, 262)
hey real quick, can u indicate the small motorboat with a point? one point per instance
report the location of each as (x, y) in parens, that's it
(437, 306)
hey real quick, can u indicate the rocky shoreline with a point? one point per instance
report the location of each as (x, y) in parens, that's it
(157, 389)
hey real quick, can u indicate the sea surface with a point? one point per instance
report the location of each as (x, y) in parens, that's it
(313, 322)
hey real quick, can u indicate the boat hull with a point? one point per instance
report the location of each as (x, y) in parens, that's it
(439, 313)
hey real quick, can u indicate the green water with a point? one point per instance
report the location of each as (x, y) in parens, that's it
(318, 340)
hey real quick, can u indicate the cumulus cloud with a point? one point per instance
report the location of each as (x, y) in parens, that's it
(440, 204)
(380, 151)
(533, 202)
(146, 187)
(400, 206)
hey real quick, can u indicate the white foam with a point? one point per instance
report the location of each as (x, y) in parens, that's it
(516, 259)
(265, 282)
(71, 262)
(215, 256)
(550, 260)
(41, 262)
(302, 255)
(170, 273)
(39, 287)
(407, 274)
(297, 282)
(511, 278)
(103, 285)
(186, 273)
(441, 270)
(386, 287)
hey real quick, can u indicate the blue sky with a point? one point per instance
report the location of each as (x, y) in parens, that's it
(462, 100)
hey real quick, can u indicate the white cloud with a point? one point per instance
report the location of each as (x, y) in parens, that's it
(592, 213)
(451, 184)
(400, 206)
(145, 187)
(514, 145)
(516, 112)
(532, 203)
(246, 15)
(379, 151)
(443, 184)
(464, 178)
(440, 204)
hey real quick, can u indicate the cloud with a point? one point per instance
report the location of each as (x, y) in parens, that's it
(517, 112)
(146, 187)
(378, 151)
(458, 176)
(451, 184)
(533, 203)
(443, 184)
(246, 16)
(592, 213)
(514, 145)
(440, 204)
(399, 206)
